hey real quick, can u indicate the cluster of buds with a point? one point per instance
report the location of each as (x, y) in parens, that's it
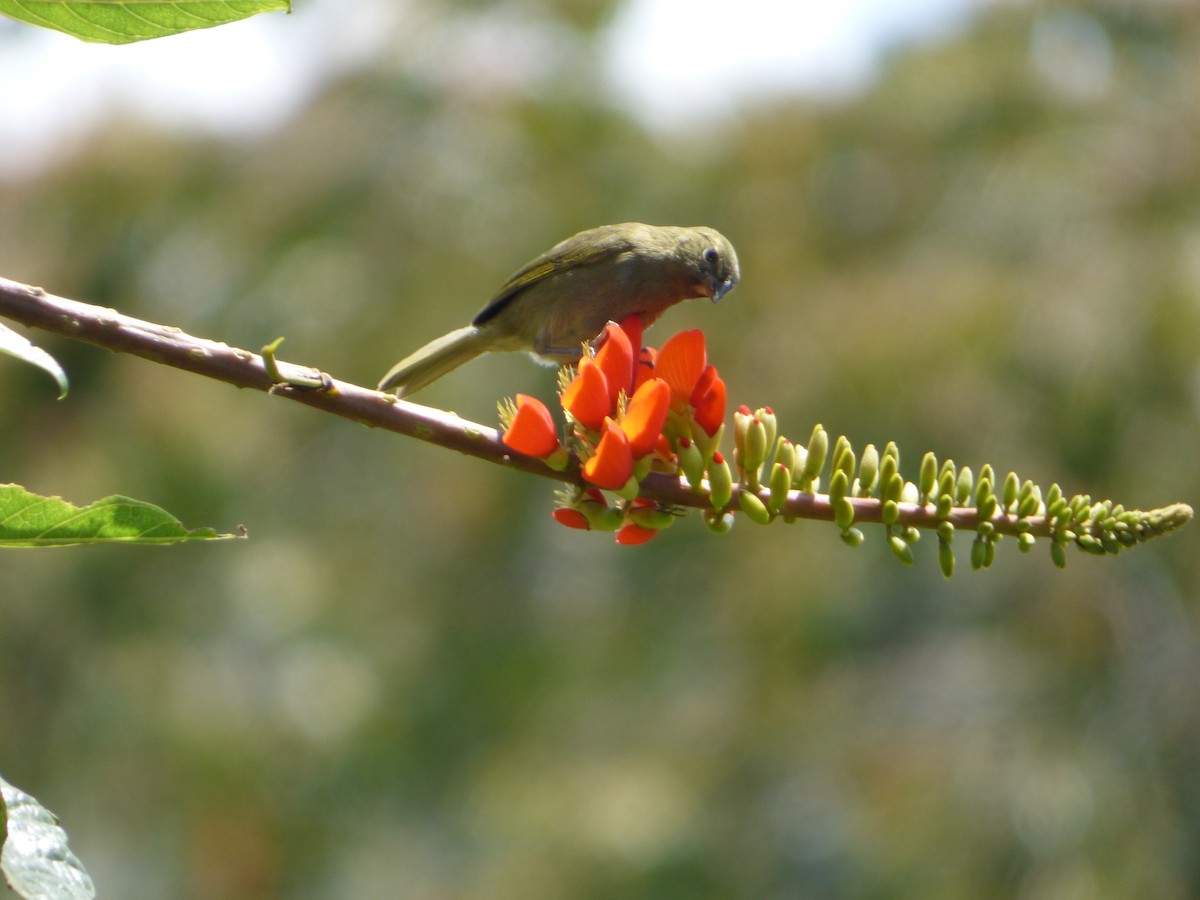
(630, 410)
(944, 498)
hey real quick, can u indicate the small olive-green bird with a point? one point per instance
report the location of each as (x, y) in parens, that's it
(567, 295)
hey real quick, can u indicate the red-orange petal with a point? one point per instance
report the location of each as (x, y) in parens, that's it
(645, 416)
(586, 397)
(647, 361)
(532, 431)
(611, 466)
(703, 383)
(631, 534)
(572, 518)
(709, 404)
(615, 359)
(680, 363)
(632, 326)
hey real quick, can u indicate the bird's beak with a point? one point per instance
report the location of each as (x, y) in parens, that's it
(721, 288)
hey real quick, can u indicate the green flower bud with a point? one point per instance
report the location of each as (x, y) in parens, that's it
(948, 468)
(1053, 495)
(843, 513)
(887, 468)
(847, 461)
(741, 421)
(840, 447)
(945, 532)
(799, 464)
(986, 530)
(650, 517)
(1025, 542)
(868, 470)
(893, 488)
(756, 452)
(900, 549)
(890, 449)
(785, 454)
(909, 493)
(978, 553)
(1058, 553)
(608, 519)
(592, 509)
(1012, 486)
(818, 447)
(781, 484)
(1056, 508)
(946, 559)
(986, 471)
(1030, 504)
(839, 484)
(691, 462)
(964, 487)
(927, 481)
(708, 444)
(720, 482)
(718, 522)
(947, 484)
(911, 534)
(989, 554)
(987, 508)
(983, 490)
(766, 415)
(630, 490)
(852, 537)
(945, 503)
(756, 511)
(890, 512)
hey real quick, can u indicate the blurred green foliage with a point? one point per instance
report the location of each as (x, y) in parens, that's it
(410, 682)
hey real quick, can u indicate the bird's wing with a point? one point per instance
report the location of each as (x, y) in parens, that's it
(583, 249)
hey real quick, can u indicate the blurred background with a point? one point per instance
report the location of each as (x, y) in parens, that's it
(968, 227)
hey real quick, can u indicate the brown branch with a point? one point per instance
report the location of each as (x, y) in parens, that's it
(171, 346)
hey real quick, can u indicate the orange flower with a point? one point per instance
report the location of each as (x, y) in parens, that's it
(572, 518)
(615, 359)
(611, 466)
(586, 397)
(631, 534)
(645, 416)
(680, 363)
(532, 430)
(708, 400)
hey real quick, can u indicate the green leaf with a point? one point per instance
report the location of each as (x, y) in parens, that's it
(29, 520)
(15, 345)
(126, 21)
(36, 860)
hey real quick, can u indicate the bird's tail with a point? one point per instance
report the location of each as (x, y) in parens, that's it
(434, 360)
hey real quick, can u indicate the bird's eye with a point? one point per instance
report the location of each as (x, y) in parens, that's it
(711, 256)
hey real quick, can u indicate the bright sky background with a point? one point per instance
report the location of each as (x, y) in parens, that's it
(252, 75)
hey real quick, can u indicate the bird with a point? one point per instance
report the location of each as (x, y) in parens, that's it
(556, 303)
